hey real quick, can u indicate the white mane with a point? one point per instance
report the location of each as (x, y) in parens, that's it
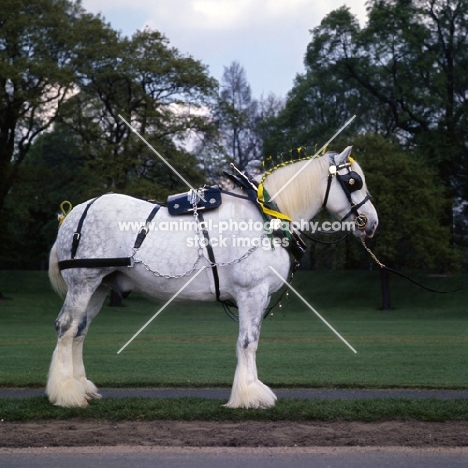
(299, 195)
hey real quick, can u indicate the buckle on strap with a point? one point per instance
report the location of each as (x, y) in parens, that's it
(75, 244)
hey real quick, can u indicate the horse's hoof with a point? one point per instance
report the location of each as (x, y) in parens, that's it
(62, 404)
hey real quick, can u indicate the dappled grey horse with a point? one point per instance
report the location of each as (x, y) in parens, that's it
(174, 262)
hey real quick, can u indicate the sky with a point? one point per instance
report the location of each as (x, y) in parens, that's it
(267, 37)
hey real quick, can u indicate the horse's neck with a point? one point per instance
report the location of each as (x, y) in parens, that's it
(299, 187)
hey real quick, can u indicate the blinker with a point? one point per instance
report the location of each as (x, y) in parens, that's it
(352, 180)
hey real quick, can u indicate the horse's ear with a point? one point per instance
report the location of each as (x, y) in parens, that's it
(342, 158)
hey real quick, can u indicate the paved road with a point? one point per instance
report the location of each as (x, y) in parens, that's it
(223, 393)
(162, 457)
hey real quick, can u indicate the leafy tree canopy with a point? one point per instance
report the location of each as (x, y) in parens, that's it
(67, 72)
(402, 74)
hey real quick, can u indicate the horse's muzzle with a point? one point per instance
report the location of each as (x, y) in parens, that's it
(364, 227)
(371, 228)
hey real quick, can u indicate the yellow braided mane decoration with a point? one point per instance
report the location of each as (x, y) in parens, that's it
(276, 181)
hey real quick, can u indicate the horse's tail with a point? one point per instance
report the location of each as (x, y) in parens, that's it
(56, 279)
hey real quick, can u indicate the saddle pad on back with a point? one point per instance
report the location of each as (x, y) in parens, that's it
(180, 203)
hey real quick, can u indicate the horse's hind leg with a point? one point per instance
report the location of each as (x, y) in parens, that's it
(63, 389)
(79, 373)
(247, 390)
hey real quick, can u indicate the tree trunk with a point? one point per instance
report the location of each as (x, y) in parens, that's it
(385, 288)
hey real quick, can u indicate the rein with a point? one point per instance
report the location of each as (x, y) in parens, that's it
(325, 242)
(399, 273)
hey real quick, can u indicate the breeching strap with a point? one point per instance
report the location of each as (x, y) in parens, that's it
(104, 262)
(77, 234)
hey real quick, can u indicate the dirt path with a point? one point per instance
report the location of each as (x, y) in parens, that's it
(81, 433)
(78, 433)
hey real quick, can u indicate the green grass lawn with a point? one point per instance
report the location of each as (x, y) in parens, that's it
(199, 409)
(423, 342)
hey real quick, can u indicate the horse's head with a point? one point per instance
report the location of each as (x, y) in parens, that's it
(346, 195)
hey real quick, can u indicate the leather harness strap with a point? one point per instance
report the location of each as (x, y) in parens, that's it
(144, 230)
(211, 256)
(354, 207)
(96, 262)
(104, 262)
(77, 234)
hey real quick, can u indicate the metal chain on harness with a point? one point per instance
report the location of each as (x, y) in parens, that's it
(168, 276)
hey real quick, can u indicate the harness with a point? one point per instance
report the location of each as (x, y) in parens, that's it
(195, 204)
(104, 262)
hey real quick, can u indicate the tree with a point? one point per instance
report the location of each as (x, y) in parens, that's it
(53, 170)
(159, 91)
(237, 117)
(66, 75)
(402, 74)
(322, 98)
(410, 200)
(409, 62)
(38, 42)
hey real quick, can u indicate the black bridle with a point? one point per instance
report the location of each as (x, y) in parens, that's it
(350, 182)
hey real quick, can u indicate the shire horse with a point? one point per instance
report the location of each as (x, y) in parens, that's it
(166, 262)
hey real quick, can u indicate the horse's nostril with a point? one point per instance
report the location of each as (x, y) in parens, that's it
(370, 230)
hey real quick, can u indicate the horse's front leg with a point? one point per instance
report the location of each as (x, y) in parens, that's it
(247, 390)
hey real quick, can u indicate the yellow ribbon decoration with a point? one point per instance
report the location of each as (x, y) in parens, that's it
(64, 211)
(269, 211)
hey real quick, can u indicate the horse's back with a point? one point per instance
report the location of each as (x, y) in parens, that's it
(104, 225)
(109, 225)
